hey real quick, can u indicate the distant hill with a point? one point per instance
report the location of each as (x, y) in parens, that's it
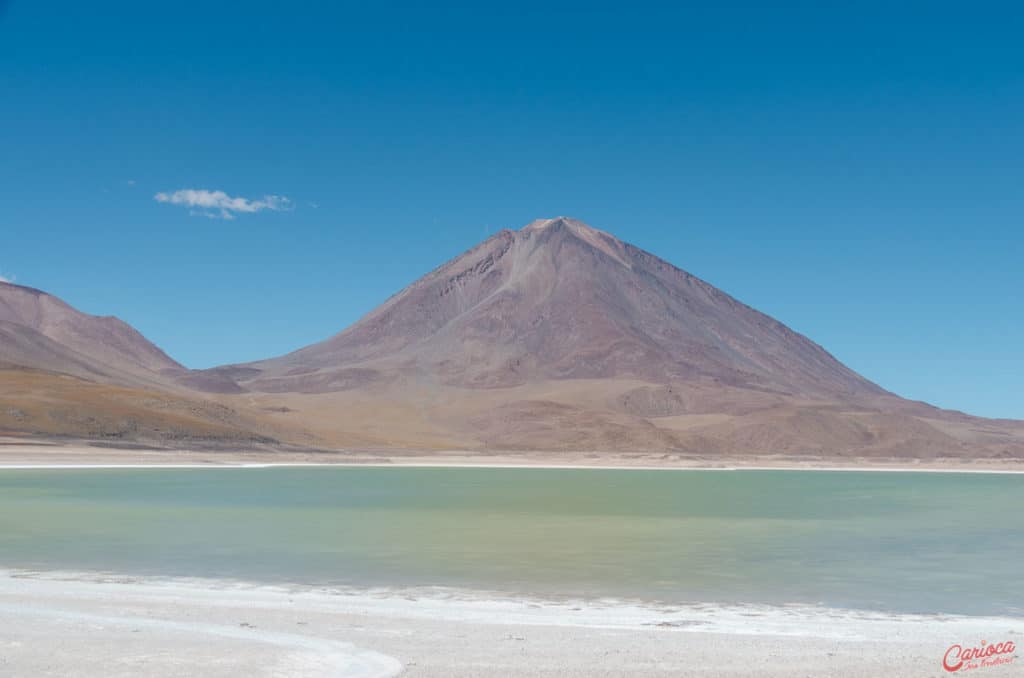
(40, 330)
(65, 373)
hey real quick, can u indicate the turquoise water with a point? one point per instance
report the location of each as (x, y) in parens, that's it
(914, 542)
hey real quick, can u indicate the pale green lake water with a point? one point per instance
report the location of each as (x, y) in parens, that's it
(914, 542)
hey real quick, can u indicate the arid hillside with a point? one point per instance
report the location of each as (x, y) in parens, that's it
(65, 406)
(67, 374)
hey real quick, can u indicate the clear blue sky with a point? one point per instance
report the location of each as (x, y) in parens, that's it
(856, 171)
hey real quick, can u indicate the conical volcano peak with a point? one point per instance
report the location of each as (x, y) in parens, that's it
(568, 223)
(542, 224)
(575, 228)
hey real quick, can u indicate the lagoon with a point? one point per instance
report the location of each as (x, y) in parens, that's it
(903, 542)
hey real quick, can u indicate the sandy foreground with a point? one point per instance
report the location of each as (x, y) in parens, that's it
(21, 453)
(64, 624)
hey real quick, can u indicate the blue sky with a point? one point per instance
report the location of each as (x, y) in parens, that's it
(855, 170)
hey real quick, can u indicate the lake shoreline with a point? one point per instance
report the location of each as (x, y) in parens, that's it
(21, 454)
(151, 625)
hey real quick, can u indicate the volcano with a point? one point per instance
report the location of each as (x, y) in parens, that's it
(561, 336)
(561, 300)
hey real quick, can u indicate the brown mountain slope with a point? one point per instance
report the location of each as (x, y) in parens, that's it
(561, 337)
(66, 373)
(39, 403)
(104, 342)
(40, 331)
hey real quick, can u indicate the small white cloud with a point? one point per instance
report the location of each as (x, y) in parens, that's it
(220, 205)
(6, 278)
